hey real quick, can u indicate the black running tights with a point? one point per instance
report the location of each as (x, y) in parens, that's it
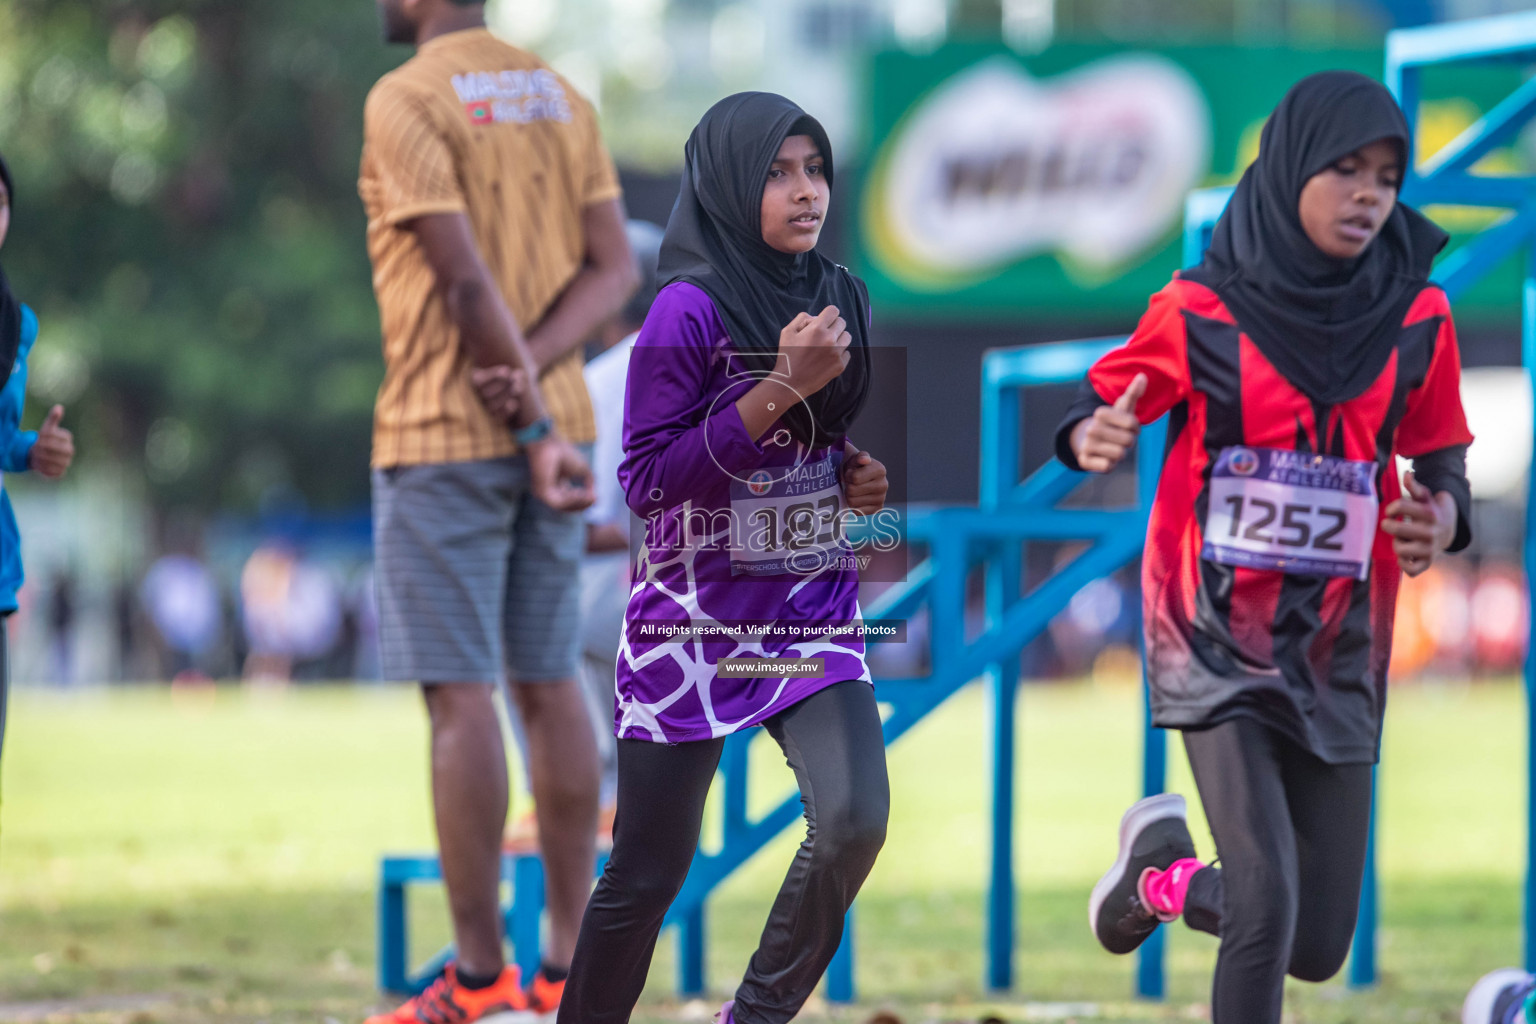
(833, 742)
(1291, 834)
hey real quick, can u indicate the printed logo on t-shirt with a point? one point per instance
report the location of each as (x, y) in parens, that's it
(512, 97)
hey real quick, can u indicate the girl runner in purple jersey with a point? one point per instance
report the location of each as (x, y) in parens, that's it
(751, 366)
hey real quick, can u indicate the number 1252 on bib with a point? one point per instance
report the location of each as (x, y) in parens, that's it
(1292, 512)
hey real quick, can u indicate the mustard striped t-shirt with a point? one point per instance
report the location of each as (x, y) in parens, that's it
(473, 125)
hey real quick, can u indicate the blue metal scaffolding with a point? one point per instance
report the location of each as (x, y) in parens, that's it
(1450, 177)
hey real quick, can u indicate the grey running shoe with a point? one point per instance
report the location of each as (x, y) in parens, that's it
(1153, 835)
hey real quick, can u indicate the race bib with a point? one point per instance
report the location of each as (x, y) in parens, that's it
(788, 519)
(1295, 512)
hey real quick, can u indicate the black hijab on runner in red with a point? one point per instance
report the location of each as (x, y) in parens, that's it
(1328, 325)
(10, 309)
(714, 240)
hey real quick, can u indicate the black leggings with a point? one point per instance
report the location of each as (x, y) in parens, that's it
(833, 742)
(1291, 833)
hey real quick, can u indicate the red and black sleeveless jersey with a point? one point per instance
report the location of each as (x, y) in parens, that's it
(1306, 654)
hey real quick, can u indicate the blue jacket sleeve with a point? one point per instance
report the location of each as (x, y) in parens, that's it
(15, 443)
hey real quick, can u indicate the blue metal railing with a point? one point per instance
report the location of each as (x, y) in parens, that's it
(1030, 509)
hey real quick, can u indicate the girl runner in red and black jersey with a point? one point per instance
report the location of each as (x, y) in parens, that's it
(1297, 361)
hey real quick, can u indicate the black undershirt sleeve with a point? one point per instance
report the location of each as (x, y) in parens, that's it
(1445, 469)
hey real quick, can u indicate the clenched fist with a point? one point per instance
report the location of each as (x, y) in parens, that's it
(813, 350)
(865, 483)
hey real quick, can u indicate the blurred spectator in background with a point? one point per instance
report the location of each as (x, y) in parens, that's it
(1455, 622)
(1501, 619)
(125, 622)
(263, 613)
(291, 612)
(182, 601)
(312, 617)
(61, 628)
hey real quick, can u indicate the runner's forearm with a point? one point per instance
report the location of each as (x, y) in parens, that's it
(761, 407)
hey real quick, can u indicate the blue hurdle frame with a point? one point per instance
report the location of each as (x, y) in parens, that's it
(1448, 177)
(1028, 510)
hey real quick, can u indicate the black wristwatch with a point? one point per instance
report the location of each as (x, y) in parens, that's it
(538, 430)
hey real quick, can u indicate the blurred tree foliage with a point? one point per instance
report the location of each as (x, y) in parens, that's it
(188, 229)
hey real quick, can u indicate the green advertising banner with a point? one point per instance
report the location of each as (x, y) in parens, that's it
(1052, 187)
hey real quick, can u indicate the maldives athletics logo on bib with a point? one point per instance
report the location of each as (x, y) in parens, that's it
(760, 482)
(1243, 461)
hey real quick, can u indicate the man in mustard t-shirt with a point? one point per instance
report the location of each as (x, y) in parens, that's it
(496, 233)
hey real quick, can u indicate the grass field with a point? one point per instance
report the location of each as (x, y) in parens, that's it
(211, 857)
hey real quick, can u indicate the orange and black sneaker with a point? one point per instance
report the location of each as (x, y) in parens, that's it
(544, 995)
(446, 1001)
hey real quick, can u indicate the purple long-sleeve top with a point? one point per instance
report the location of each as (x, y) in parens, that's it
(715, 503)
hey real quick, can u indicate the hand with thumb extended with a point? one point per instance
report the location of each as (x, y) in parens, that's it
(1128, 399)
(55, 447)
(1100, 441)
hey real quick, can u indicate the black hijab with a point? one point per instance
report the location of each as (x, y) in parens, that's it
(1328, 325)
(10, 309)
(714, 240)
